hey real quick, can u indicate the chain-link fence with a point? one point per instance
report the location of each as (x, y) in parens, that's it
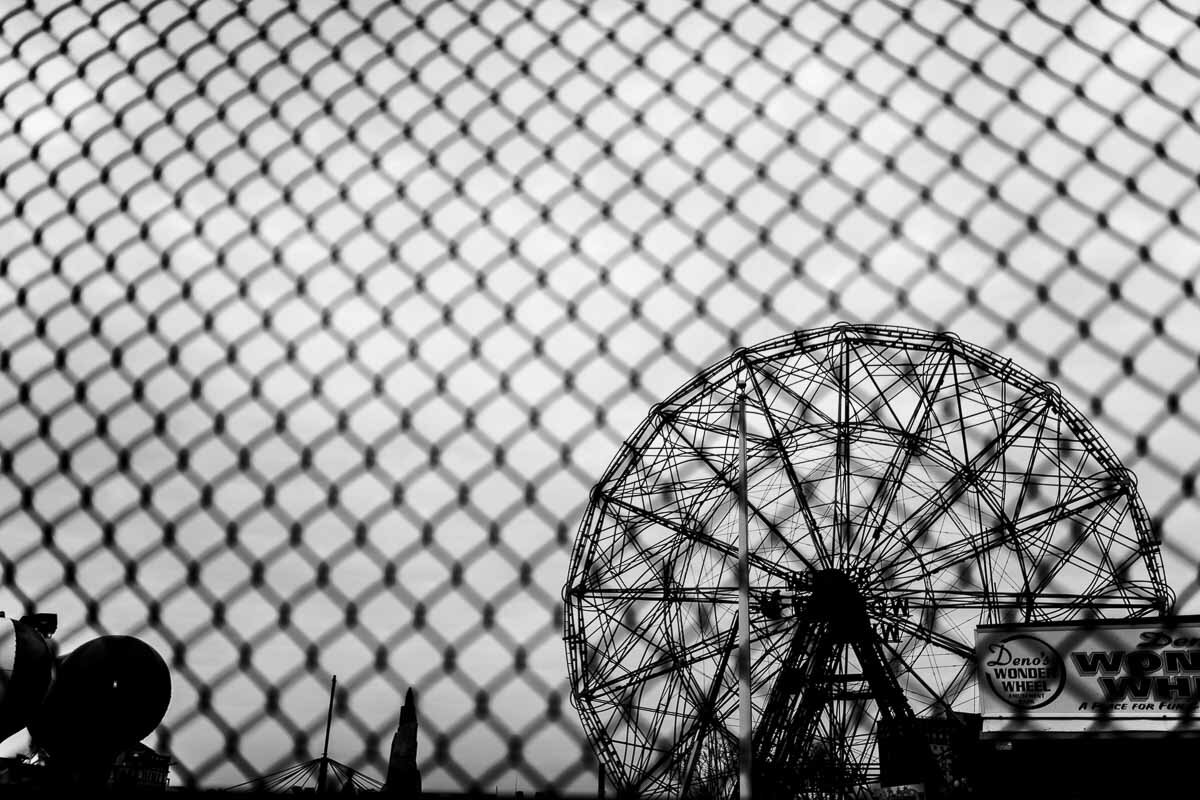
(319, 320)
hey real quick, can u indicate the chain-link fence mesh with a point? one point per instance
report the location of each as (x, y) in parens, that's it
(319, 320)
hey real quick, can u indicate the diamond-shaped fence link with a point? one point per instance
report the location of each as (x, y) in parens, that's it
(319, 320)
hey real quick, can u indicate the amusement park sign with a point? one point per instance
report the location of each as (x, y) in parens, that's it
(1090, 677)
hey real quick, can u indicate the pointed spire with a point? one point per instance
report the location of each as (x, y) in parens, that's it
(403, 776)
(408, 712)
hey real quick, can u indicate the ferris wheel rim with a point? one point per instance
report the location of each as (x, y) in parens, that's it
(801, 342)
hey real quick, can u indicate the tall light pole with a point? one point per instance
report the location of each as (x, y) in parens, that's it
(746, 746)
(323, 769)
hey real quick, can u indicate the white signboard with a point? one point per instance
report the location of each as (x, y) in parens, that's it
(1109, 676)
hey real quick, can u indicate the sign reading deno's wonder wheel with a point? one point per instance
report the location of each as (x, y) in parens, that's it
(939, 486)
(1090, 677)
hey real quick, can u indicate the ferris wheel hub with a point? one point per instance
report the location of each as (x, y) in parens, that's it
(837, 598)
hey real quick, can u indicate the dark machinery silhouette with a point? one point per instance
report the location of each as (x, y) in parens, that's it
(26, 667)
(84, 708)
(107, 695)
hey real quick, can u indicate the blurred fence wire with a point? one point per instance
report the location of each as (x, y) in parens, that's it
(319, 320)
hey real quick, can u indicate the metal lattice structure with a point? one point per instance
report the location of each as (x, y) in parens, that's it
(319, 320)
(942, 484)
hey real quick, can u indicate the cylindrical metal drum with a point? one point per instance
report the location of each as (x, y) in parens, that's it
(107, 695)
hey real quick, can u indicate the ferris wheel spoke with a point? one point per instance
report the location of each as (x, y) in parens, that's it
(961, 681)
(934, 638)
(810, 522)
(878, 397)
(841, 449)
(805, 404)
(656, 668)
(1144, 589)
(630, 712)
(1023, 547)
(938, 697)
(963, 479)
(982, 599)
(847, 747)
(1023, 492)
(733, 490)
(711, 595)
(698, 536)
(972, 546)
(681, 732)
(841, 473)
(1029, 557)
(671, 658)
(637, 634)
(706, 716)
(898, 465)
(1084, 534)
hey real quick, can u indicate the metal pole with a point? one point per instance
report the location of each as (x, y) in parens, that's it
(746, 749)
(323, 772)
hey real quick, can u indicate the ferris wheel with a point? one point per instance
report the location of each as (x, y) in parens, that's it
(902, 487)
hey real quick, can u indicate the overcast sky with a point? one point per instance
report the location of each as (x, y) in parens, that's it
(347, 307)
